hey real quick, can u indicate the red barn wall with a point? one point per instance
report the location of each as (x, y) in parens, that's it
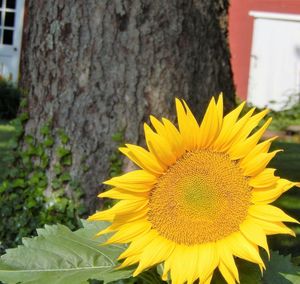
(240, 34)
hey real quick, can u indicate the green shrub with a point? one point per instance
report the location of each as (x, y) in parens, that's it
(283, 119)
(9, 99)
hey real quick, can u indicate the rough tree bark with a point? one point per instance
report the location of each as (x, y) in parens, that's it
(98, 67)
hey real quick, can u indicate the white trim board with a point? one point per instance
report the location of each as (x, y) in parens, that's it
(275, 16)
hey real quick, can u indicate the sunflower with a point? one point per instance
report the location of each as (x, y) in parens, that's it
(201, 197)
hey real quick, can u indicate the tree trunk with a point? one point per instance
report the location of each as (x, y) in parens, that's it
(96, 68)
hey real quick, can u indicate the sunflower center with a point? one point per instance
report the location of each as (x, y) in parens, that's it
(202, 198)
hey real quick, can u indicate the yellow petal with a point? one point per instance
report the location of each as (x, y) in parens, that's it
(173, 264)
(193, 127)
(208, 260)
(154, 252)
(120, 220)
(255, 234)
(142, 158)
(129, 231)
(137, 245)
(210, 127)
(182, 271)
(226, 273)
(129, 261)
(220, 110)
(258, 164)
(169, 132)
(242, 248)
(174, 137)
(265, 195)
(126, 217)
(206, 256)
(159, 147)
(122, 206)
(264, 179)
(260, 148)
(191, 265)
(241, 148)
(203, 262)
(158, 126)
(250, 124)
(235, 130)
(137, 181)
(270, 213)
(208, 279)
(227, 259)
(188, 125)
(271, 228)
(117, 193)
(226, 133)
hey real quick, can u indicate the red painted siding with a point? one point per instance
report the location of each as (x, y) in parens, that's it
(240, 34)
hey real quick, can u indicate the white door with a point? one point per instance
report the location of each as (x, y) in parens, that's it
(274, 79)
(11, 24)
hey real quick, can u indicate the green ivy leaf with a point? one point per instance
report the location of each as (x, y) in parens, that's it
(65, 177)
(44, 161)
(62, 152)
(29, 139)
(56, 183)
(24, 116)
(18, 183)
(292, 278)
(67, 160)
(45, 129)
(23, 103)
(63, 136)
(57, 169)
(48, 142)
(118, 137)
(59, 256)
(280, 270)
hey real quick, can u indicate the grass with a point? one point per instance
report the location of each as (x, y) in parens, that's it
(7, 132)
(286, 163)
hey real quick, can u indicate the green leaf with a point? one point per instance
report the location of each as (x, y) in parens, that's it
(45, 129)
(59, 256)
(23, 103)
(280, 270)
(57, 169)
(62, 152)
(63, 136)
(56, 183)
(24, 116)
(118, 137)
(67, 160)
(49, 142)
(292, 278)
(18, 183)
(65, 177)
(29, 139)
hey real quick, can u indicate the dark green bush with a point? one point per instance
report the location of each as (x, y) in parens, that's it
(9, 99)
